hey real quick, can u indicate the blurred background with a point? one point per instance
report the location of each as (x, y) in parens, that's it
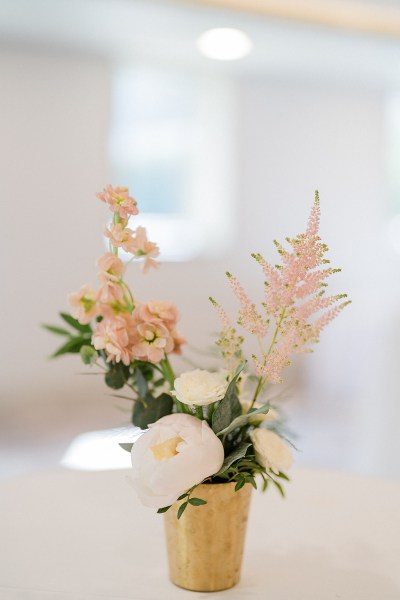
(222, 143)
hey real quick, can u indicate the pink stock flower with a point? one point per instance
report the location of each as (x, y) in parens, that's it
(111, 335)
(119, 201)
(111, 268)
(142, 247)
(155, 334)
(178, 341)
(84, 306)
(158, 310)
(120, 237)
(152, 341)
(110, 293)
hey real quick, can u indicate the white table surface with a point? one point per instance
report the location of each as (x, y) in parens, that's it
(70, 535)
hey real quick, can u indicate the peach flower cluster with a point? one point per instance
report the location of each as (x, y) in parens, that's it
(119, 201)
(125, 329)
(142, 335)
(134, 242)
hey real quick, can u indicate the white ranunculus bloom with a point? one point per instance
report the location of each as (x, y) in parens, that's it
(200, 387)
(270, 450)
(176, 453)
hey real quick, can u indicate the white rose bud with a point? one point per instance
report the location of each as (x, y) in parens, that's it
(200, 387)
(270, 450)
(176, 453)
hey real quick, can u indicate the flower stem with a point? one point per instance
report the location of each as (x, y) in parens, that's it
(168, 371)
(116, 220)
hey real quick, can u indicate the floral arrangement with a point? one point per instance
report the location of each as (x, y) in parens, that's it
(199, 426)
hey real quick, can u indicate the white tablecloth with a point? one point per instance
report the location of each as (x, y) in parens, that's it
(69, 535)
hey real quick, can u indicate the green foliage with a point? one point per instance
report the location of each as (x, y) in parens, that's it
(164, 509)
(197, 501)
(75, 324)
(141, 382)
(56, 330)
(76, 339)
(150, 409)
(182, 509)
(244, 419)
(127, 447)
(116, 376)
(229, 407)
(239, 452)
(72, 346)
(88, 355)
(188, 500)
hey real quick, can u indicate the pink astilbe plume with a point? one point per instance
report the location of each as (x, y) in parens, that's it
(229, 342)
(249, 318)
(294, 294)
(278, 359)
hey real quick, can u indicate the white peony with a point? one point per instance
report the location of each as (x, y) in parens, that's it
(270, 450)
(176, 453)
(200, 387)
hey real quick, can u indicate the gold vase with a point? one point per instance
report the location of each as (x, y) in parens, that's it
(205, 546)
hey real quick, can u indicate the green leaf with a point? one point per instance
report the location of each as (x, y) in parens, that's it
(73, 346)
(197, 501)
(183, 496)
(141, 383)
(116, 376)
(283, 476)
(88, 355)
(252, 481)
(152, 410)
(279, 487)
(56, 330)
(229, 407)
(75, 324)
(239, 452)
(244, 419)
(182, 509)
(240, 484)
(127, 447)
(164, 509)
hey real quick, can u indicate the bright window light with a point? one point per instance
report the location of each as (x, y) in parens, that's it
(171, 142)
(224, 44)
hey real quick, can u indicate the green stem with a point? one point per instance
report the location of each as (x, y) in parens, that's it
(116, 220)
(211, 408)
(199, 413)
(168, 371)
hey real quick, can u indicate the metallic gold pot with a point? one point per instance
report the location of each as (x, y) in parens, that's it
(205, 546)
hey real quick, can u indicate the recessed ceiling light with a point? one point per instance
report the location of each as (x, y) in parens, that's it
(224, 44)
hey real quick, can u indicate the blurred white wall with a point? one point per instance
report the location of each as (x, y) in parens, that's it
(53, 124)
(291, 136)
